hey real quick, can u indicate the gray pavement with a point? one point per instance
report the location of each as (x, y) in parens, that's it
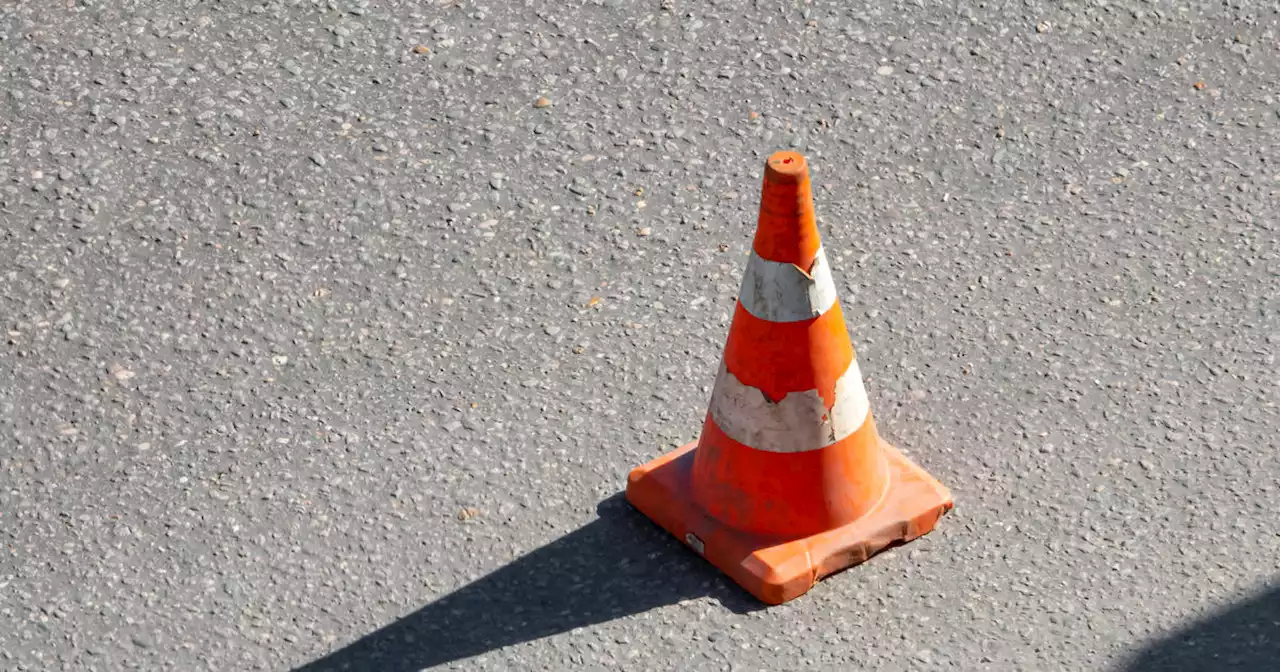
(325, 342)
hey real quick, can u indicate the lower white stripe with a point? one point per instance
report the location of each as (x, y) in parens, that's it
(780, 292)
(799, 422)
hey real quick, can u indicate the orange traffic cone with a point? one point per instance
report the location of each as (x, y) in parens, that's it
(789, 481)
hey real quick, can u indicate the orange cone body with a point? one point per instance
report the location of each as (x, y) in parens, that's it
(789, 481)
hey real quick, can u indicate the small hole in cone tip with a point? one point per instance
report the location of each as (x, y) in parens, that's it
(786, 160)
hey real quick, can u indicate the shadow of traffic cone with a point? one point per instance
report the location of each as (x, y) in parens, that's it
(790, 481)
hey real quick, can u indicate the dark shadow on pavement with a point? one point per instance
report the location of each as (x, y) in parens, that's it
(1245, 636)
(618, 565)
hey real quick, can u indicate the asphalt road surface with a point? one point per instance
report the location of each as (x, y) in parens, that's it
(332, 329)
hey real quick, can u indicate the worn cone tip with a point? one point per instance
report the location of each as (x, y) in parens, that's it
(786, 168)
(786, 231)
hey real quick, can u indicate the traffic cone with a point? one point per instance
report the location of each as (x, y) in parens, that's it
(789, 481)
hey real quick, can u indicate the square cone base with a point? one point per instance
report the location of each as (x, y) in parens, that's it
(777, 569)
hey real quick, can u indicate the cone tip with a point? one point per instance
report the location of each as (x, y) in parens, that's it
(786, 167)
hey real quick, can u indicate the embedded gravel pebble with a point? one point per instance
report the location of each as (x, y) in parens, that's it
(331, 329)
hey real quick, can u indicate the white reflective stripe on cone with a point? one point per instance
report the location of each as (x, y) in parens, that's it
(799, 422)
(780, 292)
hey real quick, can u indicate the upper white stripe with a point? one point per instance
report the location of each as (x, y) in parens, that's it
(780, 292)
(799, 422)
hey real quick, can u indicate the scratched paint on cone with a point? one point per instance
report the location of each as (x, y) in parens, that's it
(783, 292)
(798, 422)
